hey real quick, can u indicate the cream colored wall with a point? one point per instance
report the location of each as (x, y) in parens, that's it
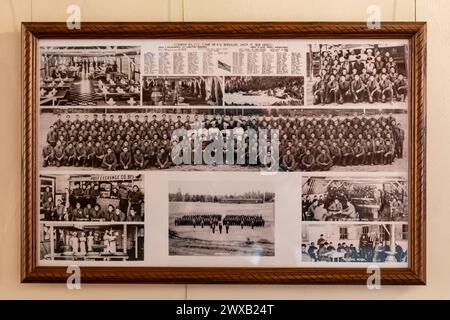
(12, 12)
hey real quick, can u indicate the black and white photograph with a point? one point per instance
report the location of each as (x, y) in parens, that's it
(347, 243)
(182, 91)
(92, 197)
(358, 75)
(98, 242)
(264, 91)
(343, 140)
(334, 198)
(90, 76)
(307, 140)
(228, 218)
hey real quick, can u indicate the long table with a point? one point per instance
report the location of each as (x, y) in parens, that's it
(101, 257)
(61, 94)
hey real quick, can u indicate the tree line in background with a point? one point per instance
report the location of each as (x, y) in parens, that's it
(251, 196)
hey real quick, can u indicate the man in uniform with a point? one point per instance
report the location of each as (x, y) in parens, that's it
(109, 160)
(347, 154)
(357, 88)
(323, 161)
(80, 153)
(358, 151)
(400, 88)
(136, 199)
(308, 161)
(69, 155)
(332, 90)
(319, 91)
(48, 154)
(386, 88)
(288, 162)
(125, 159)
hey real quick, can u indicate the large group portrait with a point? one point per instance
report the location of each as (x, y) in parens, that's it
(234, 140)
(357, 75)
(221, 219)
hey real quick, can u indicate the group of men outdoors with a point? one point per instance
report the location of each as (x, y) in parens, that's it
(308, 143)
(359, 75)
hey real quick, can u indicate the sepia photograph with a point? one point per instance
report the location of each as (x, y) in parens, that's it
(334, 198)
(221, 219)
(282, 140)
(99, 242)
(90, 76)
(342, 243)
(92, 197)
(355, 74)
(343, 140)
(264, 91)
(182, 91)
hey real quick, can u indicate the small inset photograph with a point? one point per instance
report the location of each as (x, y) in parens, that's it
(357, 74)
(92, 242)
(354, 199)
(90, 76)
(183, 91)
(367, 243)
(92, 197)
(227, 219)
(264, 91)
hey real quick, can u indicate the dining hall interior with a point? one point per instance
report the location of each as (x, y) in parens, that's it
(90, 76)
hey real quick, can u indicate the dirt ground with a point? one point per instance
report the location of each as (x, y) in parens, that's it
(187, 240)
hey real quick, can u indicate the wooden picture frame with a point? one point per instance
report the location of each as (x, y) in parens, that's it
(413, 32)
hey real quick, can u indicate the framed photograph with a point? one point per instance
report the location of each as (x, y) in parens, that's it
(265, 153)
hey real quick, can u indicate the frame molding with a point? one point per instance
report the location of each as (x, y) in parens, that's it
(414, 32)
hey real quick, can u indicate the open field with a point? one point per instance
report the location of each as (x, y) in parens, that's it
(188, 241)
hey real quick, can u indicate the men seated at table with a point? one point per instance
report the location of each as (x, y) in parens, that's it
(367, 250)
(369, 76)
(305, 143)
(123, 88)
(335, 211)
(338, 203)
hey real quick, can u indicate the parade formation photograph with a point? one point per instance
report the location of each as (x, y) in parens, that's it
(264, 91)
(90, 76)
(182, 91)
(226, 219)
(333, 198)
(353, 74)
(347, 243)
(92, 197)
(97, 243)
